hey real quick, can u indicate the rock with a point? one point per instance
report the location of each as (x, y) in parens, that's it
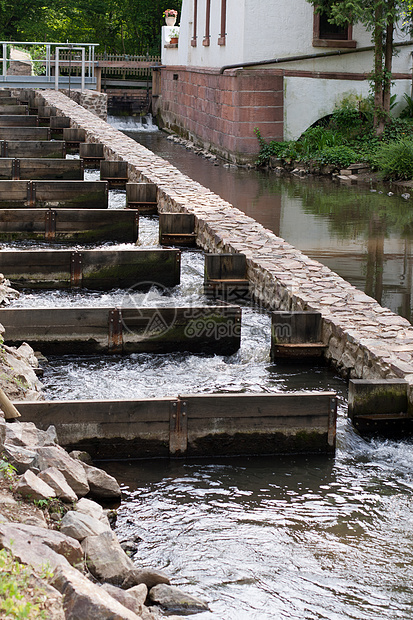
(21, 458)
(106, 559)
(39, 547)
(174, 599)
(80, 526)
(84, 600)
(101, 485)
(36, 520)
(2, 433)
(124, 597)
(80, 455)
(91, 508)
(55, 479)
(32, 487)
(26, 434)
(55, 456)
(139, 592)
(148, 577)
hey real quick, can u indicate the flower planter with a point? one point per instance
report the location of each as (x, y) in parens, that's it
(173, 41)
(170, 21)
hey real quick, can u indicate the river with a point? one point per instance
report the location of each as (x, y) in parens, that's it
(266, 538)
(285, 538)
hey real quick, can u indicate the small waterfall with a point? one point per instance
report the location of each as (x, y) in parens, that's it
(133, 123)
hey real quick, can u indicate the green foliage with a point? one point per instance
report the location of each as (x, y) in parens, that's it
(395, 159)
(315, 139)
(18, 598)
(7, 470)
(119, 26)
(340, 156)
(408, 110)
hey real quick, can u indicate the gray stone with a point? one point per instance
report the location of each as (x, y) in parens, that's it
(80, 455)
(21, 458)
(91, 508)
(106, 559)
(38, 547)
(2, 433)
(80, 526)
(148, 577)
(32, 487)
(84, 600)
(55, 456)
(139, 592)
(27, 435)
(101, 484)
(55, 479)
(174, 599)
(124, 597)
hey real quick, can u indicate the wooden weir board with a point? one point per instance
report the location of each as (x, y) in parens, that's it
(12, 109)
(17, 120)
(32, 148)
(98, 269)
(54, 194)
(41, 134)
(62, 225)
(194, 425)
(40, 168)
(86, 331)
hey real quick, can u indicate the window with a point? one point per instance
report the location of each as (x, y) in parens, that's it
(221, 38)
(193, 40)
(207, 24)
(330, 35)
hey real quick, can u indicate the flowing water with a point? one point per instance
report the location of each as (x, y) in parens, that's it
(266, 538)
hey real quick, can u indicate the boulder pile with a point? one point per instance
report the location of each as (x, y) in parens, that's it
(92, 576)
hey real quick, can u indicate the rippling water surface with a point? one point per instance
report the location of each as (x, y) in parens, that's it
(258, 538)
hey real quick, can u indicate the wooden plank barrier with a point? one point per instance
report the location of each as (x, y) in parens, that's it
(33, 149)
(11, 105)
(142, 196)
(380, 407)
(194, 425)
(40, 168)
(13, 120)
(126, 330)
(93, 269)
(73, 137)
(91, 153)
(114, 172)
(54, 194)
(25, 133)
(58, 123)
(63, 225)
(4, 92)
(177, 229)
(225, 276)
(296, 335)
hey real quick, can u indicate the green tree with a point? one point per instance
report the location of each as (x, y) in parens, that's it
(380, 17)
(119, 26)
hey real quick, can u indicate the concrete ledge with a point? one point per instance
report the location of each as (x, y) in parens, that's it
(364, 339)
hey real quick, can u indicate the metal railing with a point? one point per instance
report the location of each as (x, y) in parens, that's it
(50, 62)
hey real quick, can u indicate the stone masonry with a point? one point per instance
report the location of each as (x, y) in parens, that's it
(365, 340)
(220, 112)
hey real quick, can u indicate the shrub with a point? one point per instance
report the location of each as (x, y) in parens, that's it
(395, 159)
(341, 156)
(316, 139)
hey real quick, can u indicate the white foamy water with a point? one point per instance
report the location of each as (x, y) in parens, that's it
(133, 123)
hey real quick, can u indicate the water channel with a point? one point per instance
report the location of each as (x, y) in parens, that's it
(266, 538)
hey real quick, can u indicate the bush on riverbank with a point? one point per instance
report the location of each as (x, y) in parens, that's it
(347, 137)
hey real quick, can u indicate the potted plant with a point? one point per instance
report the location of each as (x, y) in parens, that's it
(174, 36)
(170, 16)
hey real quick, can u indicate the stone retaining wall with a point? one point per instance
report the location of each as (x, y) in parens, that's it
(221, 111)
(364, 339)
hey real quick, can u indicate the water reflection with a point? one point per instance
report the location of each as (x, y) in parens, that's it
(363, 235)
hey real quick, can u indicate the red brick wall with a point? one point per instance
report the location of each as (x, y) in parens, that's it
(222, 111)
